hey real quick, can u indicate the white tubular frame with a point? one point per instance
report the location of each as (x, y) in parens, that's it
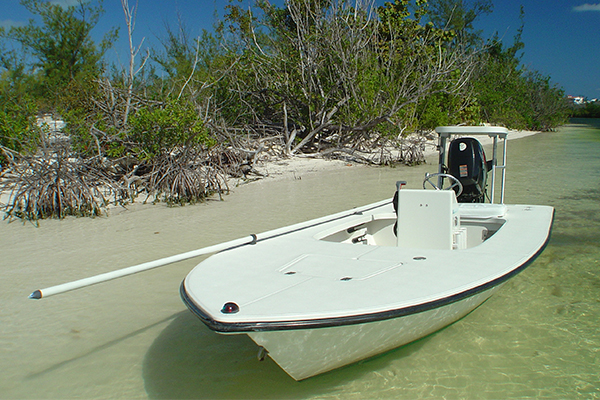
(495, 132)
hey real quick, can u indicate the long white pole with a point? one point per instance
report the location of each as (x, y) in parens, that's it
(92, 280)
(252, 239)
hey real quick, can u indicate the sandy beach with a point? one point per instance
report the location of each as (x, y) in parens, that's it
(296, 167)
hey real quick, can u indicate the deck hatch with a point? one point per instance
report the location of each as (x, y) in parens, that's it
(336, 268)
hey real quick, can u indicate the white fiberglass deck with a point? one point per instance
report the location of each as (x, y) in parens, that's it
(311, 276)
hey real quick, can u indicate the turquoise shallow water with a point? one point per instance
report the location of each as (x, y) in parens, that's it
(537, 337)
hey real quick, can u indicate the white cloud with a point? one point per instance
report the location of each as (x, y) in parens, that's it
(587, 7)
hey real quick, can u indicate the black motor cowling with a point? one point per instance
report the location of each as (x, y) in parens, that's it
(467, 163)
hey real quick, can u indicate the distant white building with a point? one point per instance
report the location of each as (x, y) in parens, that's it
(576, 99)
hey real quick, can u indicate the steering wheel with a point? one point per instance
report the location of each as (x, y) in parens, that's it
(454, 182)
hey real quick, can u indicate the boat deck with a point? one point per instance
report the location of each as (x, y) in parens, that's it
(340, 271)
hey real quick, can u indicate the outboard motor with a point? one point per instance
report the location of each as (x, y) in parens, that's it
(467, 163)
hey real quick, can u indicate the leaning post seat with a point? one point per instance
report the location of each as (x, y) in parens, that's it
(429, 219)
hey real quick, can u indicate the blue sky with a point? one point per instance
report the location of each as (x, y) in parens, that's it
(562, 37)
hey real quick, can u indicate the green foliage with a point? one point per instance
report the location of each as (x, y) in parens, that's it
(17, 125)
(313, 76)
(161, 129)
(327, 67)
(547, 104)
(437, 110)
(61, 46)
(458, 17)
(518, 98)
(182, 55)
(321, 68)
(17, 108)
(589, 110)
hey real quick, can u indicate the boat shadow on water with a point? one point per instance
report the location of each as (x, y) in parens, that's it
(188, 360)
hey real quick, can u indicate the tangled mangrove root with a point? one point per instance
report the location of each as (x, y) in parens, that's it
(184, 178)
(53, 185)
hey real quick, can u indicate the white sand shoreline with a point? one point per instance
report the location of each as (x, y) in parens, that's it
(296, 167)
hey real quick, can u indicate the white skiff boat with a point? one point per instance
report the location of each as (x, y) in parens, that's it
(328, 292)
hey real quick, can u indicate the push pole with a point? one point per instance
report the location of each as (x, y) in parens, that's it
(92, 280)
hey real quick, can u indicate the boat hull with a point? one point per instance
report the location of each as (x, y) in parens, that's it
(333, 291)
(328, 292)
(303, 353)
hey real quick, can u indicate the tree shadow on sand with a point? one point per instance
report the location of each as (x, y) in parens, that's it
(188, 360)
